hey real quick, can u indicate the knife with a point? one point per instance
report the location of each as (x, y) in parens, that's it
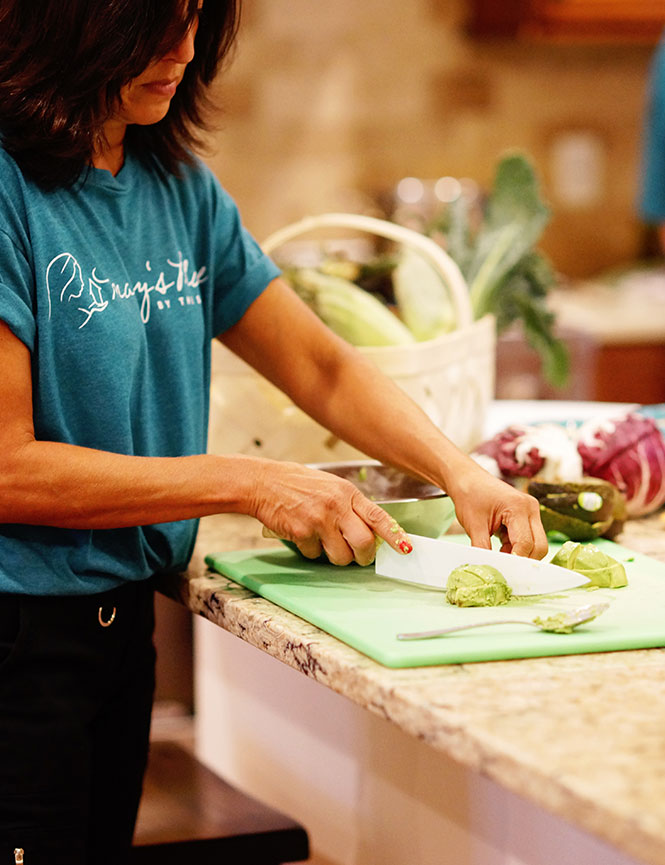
(431, 560)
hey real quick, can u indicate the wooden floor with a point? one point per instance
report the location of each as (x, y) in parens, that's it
(169, 724)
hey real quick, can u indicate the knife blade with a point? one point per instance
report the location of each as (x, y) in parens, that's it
(431, 560)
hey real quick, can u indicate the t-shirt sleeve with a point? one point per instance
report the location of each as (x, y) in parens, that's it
(242, 269)
(16, 301)
(652, 181)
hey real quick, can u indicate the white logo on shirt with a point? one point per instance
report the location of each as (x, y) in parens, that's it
(65, 283)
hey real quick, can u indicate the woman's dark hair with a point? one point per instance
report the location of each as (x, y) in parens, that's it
(64, 62)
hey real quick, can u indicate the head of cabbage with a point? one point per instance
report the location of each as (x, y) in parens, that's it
(629, 452)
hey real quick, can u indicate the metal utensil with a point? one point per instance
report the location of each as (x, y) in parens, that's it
(432, 560)
(558, 623)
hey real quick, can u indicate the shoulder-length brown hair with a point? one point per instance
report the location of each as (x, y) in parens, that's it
(63, 63)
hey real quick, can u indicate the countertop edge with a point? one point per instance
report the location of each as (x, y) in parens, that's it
(452, 727)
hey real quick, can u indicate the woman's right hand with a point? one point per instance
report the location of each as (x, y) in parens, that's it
(321, 512)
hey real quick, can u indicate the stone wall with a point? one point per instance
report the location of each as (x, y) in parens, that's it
(328, 105)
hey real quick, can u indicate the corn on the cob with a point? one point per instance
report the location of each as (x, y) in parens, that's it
(348, 310)
(422, 296)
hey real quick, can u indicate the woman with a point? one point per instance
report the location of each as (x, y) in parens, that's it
(120, 259)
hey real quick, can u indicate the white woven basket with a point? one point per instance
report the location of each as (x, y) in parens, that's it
(450, 377)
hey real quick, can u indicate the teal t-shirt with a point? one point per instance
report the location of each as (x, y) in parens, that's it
(652, 181)
(117, 286)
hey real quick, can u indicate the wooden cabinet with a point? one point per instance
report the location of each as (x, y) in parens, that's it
(174, 687)
(569, 20)
(632, 372)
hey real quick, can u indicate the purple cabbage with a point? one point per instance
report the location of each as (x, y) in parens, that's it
(546, 451)
(629, 452)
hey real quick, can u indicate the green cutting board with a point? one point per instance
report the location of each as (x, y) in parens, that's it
(367, 611)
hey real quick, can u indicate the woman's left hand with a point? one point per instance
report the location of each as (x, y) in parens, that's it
(487, 506)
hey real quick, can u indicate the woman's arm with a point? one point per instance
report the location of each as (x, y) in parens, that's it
(283, 339)
(54, 484)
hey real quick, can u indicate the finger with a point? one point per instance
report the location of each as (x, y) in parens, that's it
(382, 525)
(526, 538)
(504, 538)
(355, 540)
(337, 550)
(521, 546)
(540, 546)
(479, 534)
(516, 536)
(310, 547)
(360, 539)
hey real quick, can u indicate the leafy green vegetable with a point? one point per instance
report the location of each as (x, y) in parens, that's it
(507, 275)
(514, 221)
(496, 253)
(354, 314)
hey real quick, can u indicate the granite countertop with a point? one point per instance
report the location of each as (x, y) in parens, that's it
(581, 735)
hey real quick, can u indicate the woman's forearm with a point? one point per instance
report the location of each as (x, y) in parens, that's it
(47, 483)
(337, 386)
(51, 484)
(370, 412)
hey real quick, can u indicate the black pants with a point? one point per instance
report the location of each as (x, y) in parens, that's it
(75, 704)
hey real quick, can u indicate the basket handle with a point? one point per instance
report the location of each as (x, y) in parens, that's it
(440, 259)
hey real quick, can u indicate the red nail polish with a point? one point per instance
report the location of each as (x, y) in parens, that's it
(405, 546)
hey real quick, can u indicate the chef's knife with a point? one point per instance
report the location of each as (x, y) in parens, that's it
(432, 560)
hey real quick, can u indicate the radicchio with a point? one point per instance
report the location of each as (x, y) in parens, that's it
(629, 452)
(547, 450)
